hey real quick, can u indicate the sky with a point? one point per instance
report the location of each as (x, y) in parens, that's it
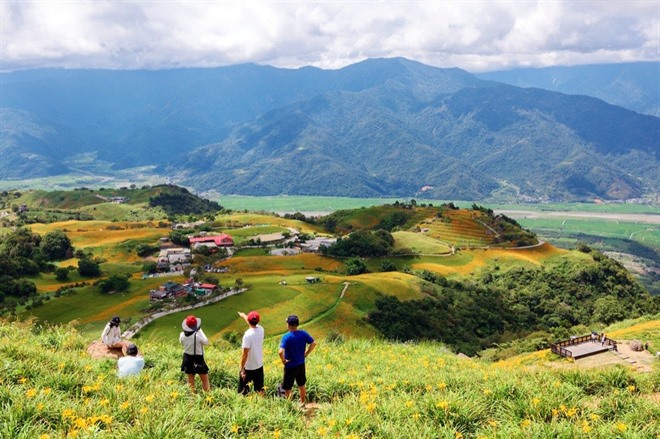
(473, 35)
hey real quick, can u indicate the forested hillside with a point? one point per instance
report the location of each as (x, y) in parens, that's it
(381, 127)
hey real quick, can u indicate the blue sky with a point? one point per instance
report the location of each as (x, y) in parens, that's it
(473, 35)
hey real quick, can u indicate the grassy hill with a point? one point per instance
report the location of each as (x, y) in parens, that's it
(50, 387)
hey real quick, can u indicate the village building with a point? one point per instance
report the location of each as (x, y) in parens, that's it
(313, 245)
(174, 259)
(191, 225)
(212, 241)
(168, 289)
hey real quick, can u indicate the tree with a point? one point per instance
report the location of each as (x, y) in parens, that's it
(149, 267)
(388, 265)
(56, 245)
(355, 266)
(88, 268)
(115, 283)
(61, 274)
(143, 249)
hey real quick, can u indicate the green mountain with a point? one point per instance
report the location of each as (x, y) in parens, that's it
(382, 127)
(634, 86)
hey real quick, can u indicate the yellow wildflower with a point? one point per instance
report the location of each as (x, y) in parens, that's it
(556, 384)
(571, 412)
(80, 423)
(458, 435)
(234, 428)
(492, 423)
(415, 416)
(442, 386)
(174, 395)
(30, 393)
(535, 401)
(331, 423)
(352, 436)
(620, 426)
(22, 380)
(525, 423)
(88, 368)
(594, 417)
(124, 405)
(409, 403)
(144, 410)
(322, 431)
(61, 365)
(371, 407)
(277, 434)
(119, 387)
(586, 428)
(44, 436)
(47, 391)
(104, 402)
(349, 421)
(149, 398)
(40, 406)
(442, 405)
(487, 392)
(631, 388)
(68, 413)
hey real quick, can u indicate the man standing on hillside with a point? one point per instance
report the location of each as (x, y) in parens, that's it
(252, 365)
(293, 351)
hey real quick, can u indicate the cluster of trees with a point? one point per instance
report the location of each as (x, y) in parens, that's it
(23, 253)
(473, 314)
(363, 243)
(177, 200)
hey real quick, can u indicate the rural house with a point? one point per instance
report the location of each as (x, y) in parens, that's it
(212, 241)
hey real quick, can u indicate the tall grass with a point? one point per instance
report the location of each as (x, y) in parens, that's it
(50, 388)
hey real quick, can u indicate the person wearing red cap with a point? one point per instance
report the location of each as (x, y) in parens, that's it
(193, 340)
(252, 364)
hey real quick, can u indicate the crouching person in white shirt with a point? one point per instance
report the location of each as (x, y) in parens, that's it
(131, 364)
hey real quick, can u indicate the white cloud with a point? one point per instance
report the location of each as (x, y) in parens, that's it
(474, 35)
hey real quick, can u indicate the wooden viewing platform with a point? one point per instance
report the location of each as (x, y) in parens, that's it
(582, 346)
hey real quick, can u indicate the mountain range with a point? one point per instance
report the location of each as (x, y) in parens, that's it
(382, 127)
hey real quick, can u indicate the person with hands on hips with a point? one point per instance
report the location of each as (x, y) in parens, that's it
(295, 346)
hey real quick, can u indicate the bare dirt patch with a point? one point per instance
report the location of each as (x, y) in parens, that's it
(97, 349)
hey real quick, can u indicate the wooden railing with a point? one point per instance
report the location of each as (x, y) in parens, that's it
(558, 347)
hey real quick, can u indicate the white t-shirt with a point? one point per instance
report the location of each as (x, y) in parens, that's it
(253, 339)
(129, 365)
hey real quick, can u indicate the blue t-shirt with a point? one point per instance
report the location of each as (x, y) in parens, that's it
(294, 344)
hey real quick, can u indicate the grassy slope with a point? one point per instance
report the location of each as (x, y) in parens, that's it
(362, 389)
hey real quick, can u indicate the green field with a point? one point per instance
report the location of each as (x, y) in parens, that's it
(297, 203)
(419, 243)
(648, 234)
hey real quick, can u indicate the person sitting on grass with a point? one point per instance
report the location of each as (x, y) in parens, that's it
(111, 335)
(131, 364)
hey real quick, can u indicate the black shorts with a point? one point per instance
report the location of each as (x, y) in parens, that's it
(194, 364)
(296, 373)
(255, 376)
